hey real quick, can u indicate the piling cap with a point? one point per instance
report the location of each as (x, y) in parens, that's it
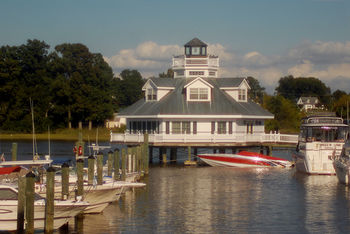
(116, 150)
(80, 160)
(30, 174)
(110, 152)
(65, 165)
(51, 169)
(91, 157)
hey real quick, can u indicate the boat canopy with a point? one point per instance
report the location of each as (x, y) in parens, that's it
(9, 170)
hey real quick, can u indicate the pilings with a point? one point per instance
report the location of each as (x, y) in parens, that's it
(50, 195)
(29, 202)
(14, 151)
(65, 181)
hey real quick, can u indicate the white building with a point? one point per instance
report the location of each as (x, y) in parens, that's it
(309, 103)
(196, 107)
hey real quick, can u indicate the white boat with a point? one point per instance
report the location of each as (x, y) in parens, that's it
(321, 138)
(244, 159)
(342, 164)
(98, 196)
(64, 210)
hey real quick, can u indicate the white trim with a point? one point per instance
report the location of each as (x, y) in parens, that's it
(197, 116)
(196, 79)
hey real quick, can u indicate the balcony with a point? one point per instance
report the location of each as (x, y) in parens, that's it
(206, 140)
(183, 62)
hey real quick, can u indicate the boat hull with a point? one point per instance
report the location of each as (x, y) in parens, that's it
(342, 169)
(243, 160)
(63, 212)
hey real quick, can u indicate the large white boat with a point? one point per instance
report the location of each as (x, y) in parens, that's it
(342, 164)
(64, 210)
(321, 138)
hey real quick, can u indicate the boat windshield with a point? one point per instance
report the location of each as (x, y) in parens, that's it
(323, 134)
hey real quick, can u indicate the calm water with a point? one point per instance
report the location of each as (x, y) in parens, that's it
(219, 200)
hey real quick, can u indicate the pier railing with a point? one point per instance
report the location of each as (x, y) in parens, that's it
(212, 138)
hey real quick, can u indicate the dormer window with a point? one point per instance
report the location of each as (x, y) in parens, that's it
(242, 95)
(151, 95)
(199, 94)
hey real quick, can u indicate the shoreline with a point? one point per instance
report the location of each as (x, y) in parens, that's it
(102, 134)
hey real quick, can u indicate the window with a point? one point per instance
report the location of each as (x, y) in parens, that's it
(241, 94)
(194, 127)
(195, 50)
(211, 73)
(181, 127)
(185, 128)
(187, 52)
(151, 94)
(8, 194)
(167, 127)
(222, 127)
(196, 73)
(212, 127)
(230, 127)
(176, 127)
(203, 51)
(199, 94)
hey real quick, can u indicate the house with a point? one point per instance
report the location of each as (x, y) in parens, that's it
(309, 103)
(195, 107)
(115, 122)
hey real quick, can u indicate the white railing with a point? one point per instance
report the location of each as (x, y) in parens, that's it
(184, 62)
(210, 138)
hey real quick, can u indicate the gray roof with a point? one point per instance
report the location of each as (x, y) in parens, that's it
(174, 103)
(163, 82)
(195, 42)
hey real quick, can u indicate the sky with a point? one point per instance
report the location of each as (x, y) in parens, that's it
(266, 39)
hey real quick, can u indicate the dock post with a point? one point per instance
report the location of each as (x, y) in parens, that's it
(133, 161)
(128, 160)
(80, 175)
(146, 145)
(116, 164)
(195, 153)
(173, 155)
(100, 169)
(65, 181)
(14, 151)
(269, 150)
(21, 204)
(189, 153)
(123, 164)
(110, 163)
(164, 156)
(189, 162)
(150, 154)
(160, 153)
(142, 158)
(50, 198)
(80, 145)
(91, 169)
(138, 159)
(30, 177)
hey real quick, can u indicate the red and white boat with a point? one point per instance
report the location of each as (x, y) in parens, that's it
(244, 159)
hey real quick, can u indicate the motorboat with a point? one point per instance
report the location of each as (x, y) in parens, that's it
(342, 164)
(321, 139)
(244, 159)
(64, 210)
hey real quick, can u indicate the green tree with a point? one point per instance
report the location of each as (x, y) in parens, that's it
(287, 115)
(130, 87)
(341, 106)
(256, 93)
(293, 88)
(168, 74)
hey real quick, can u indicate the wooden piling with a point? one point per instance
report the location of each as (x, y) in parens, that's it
(173, 155)
(29, 210)
(91, 169)
(116, 164)
(50, 196)
(65, 181)
(14, 151)
(123, 164)
(80, 175)
(100, 169)
(21, 204)
(189, 162)
(110, 163)
(128, 159)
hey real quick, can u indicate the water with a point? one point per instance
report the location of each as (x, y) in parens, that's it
(221, 200)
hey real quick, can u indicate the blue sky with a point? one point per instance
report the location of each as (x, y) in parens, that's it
(266, 39)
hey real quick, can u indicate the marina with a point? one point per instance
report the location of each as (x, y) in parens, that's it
(206, 199)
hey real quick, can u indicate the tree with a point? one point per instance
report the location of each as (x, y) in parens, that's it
(293, 88)
(130, 87)
(341, 106)
(287, 115)
(256, 93)
(168, 74)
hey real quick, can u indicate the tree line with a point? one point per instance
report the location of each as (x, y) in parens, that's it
(283, 104)
(67, 85)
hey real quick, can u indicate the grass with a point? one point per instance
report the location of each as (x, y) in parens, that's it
(62, 134)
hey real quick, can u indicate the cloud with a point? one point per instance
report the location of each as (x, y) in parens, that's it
(328, 61)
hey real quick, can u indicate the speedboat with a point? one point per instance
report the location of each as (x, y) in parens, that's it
(321, 139)
(244, 159)
(64, 210)
(342, 164)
